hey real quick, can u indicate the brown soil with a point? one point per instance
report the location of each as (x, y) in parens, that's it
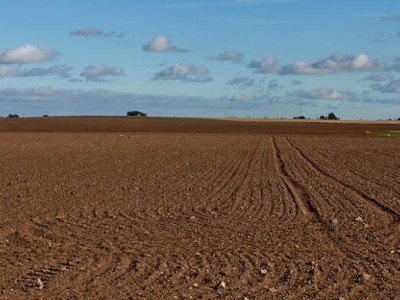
(191, 125)
(119, 208)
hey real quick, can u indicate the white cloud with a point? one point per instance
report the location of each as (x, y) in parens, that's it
(333, 64)
(162, 43)
(184, 72)
(268, 64)
(329, 65)
(97, 73)
(26, 54)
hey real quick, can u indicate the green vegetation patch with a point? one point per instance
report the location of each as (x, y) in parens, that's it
(391, 134)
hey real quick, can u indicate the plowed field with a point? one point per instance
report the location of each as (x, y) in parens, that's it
(234, 215)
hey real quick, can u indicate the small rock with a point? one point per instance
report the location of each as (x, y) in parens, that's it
(192, 218)
(222, 285)
(273, 290)
(342, 298)
(40, 284)
(366, 276)
(196, 285)
(335, 221)
(263, 271)
(359, 219)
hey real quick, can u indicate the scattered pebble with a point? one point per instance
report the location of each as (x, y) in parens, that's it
(196, 285)
(366, 276)
(263, 271)
(335, 221)
(40, 284)
(359, 219)
(222, 285)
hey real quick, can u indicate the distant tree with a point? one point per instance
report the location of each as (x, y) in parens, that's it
(45, 116)
(322, 118)
(331, 116)
(136, 113)
(12, 116)
(299, 118)
(398, 119)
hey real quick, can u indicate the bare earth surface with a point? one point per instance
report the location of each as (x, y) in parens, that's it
(115, 208)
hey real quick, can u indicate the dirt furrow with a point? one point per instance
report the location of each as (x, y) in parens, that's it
(367, 200)
(294, 189)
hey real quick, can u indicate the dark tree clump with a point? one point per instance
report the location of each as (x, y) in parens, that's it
(12, 116)
(332, 116)
(136, 113)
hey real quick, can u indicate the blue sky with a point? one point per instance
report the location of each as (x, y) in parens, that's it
(201, 58)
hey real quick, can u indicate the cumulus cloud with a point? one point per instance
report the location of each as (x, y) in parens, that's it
(269, 64)
(324, 94)
(97, 73)
(231, 55)
(242, 82)
(184, 72)
(26, 54)
(162, 43)
(339, 96)
(90, 32)
(63, 71)
(329, 65)
(333, 64)
(8, 71)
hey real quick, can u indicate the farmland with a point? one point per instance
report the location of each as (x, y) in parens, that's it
(119, 208)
